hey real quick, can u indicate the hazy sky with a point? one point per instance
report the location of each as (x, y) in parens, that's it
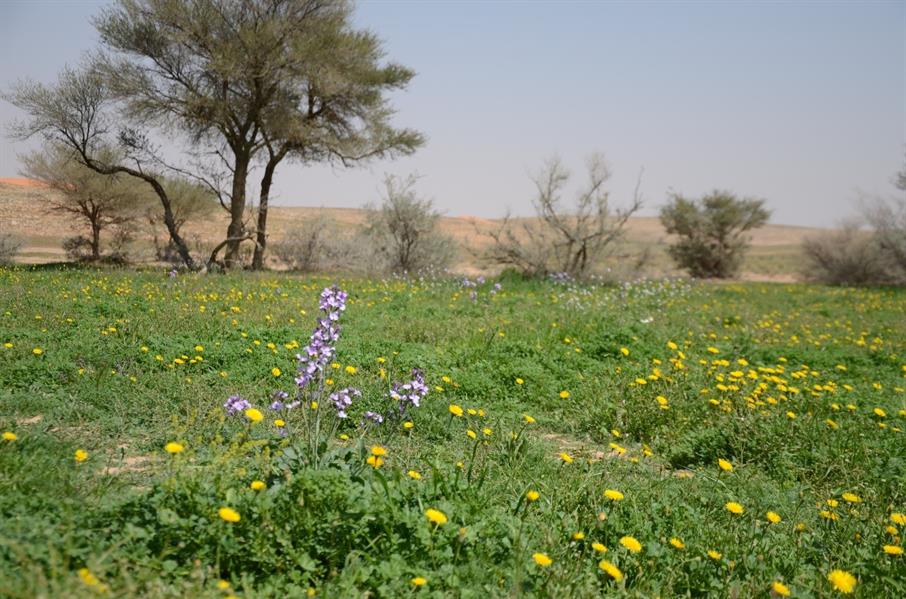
(801, 103)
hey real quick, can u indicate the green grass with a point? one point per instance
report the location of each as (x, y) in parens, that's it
(787, 383)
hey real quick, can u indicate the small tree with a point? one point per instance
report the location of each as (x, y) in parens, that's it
(95, 202)
(711, 240)
(404, 229)
(564, 240)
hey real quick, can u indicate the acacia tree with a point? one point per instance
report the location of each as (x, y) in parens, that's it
(711, 231)
(285, 77)
(336, 112)
(567, 239)
(96, 202)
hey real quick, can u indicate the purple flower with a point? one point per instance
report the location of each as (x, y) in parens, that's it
(374, 417)
(319, 351)
(236, 404)
(342, 399)
(411, 393)
(279, 397)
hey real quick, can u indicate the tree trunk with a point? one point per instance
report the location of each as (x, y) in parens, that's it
(235, 232)
(266, 180)
(95, 239)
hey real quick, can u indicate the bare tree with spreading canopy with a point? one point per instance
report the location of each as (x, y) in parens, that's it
(564, 239)
(242, 82)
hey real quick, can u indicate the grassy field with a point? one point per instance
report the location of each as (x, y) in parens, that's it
(655, 439)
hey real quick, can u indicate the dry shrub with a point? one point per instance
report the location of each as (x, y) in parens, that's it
(322, 245)
(849, 256)
(9, 247)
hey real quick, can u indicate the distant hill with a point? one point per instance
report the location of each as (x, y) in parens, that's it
(774, 254)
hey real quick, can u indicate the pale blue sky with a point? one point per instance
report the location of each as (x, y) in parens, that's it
(801, 103)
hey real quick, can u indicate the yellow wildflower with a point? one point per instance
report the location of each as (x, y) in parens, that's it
(734, 508)
(780, 589)
(842, 581)
(611, 570)
(436, 516)
(542, 559)
(631, 543)
(173, 447)
(228, 514)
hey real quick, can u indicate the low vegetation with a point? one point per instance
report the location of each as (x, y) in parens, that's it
(185, 435)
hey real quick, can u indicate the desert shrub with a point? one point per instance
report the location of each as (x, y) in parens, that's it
(403, 229)
(77, 247)
(848, 256)
(9, 247)
(322, 245)
(710, 231)
(571, 240)
(868, 250)
(888, 220)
